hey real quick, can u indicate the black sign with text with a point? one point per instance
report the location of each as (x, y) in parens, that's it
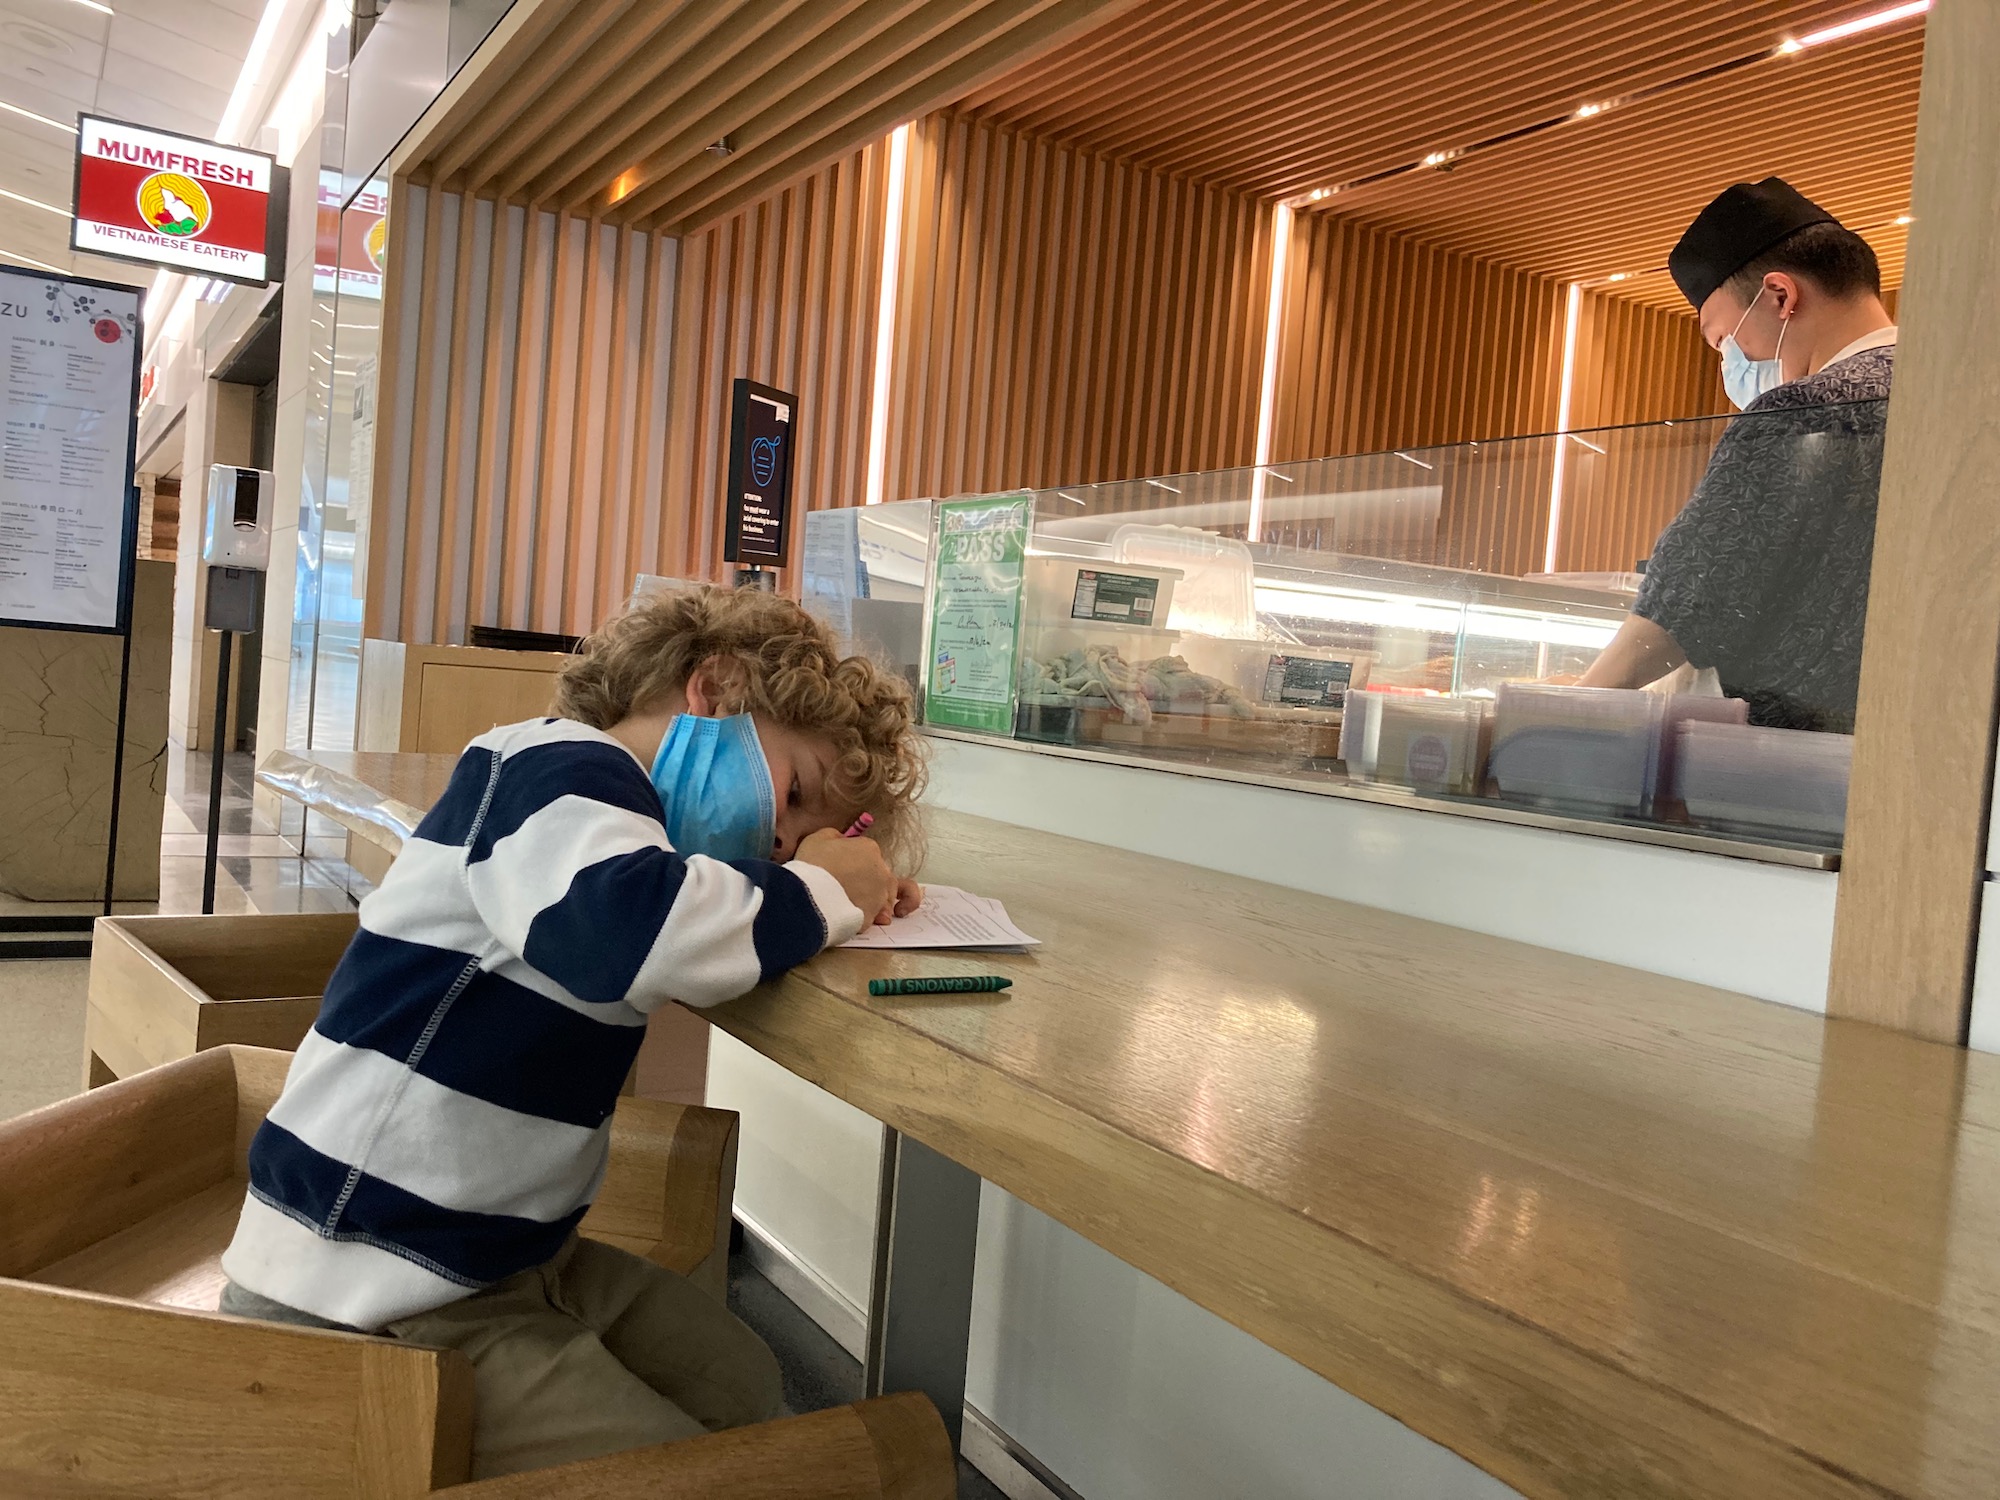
(762, 433)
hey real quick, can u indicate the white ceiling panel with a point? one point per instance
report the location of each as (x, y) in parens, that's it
(181, 101)
(167, 63)
(79, 22)
(161, 50)
(70, 89)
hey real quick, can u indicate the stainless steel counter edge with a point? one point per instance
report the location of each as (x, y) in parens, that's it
(1797, 857)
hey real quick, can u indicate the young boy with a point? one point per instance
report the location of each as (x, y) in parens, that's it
(674, 836)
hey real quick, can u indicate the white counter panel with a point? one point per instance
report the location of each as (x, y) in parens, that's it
(1758, 929)
(1128, 1391)
(807, 1170)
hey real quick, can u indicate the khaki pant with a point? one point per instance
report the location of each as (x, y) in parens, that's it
(592, 1353)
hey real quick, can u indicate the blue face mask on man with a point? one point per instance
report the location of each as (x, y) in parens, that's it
(715, 786)
(1745, 379)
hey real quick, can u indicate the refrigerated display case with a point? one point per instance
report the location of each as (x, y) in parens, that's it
(1404, 626)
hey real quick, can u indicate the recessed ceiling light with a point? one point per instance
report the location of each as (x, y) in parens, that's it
(1905, 219)
(38, 39)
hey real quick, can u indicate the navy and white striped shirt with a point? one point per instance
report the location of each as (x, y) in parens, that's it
(446, 1121)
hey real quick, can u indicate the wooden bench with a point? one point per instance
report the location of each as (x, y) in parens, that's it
(118, 1378)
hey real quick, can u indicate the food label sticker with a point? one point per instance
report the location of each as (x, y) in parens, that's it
(1123, 598)
(1307, 680)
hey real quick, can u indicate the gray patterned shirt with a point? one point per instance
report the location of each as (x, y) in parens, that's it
(1764, 573)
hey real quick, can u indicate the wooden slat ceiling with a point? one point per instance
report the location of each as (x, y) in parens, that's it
(1279, 97)
(608, 108)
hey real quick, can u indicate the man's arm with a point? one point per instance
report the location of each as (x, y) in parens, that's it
(1641, 652)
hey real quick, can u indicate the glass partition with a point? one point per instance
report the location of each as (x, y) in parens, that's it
(1432, 625)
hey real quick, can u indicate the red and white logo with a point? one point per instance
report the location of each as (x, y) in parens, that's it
(171, 200)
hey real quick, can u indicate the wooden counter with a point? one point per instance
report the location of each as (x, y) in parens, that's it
(1603, 1233)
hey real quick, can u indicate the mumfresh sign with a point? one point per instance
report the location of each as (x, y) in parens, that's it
(163, 199)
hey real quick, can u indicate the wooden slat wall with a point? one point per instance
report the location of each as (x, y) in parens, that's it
(1393, 344)
(524, 384)
(1065, 319)
(785, 293)
(1634, 364)
(1390, 344)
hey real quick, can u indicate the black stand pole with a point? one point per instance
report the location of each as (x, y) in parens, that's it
(216, 748)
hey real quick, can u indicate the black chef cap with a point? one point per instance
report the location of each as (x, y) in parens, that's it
(1741, 224)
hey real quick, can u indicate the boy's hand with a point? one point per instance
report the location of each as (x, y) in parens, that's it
(856, 863)
(909, 896)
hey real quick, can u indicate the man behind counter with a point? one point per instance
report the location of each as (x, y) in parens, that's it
(1764, 573)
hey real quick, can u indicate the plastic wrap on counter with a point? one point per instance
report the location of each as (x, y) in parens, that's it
(337, 795)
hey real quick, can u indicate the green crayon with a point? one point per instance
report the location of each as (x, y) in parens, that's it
(958, 984)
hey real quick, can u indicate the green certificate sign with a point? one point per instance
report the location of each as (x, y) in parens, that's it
(975, 621)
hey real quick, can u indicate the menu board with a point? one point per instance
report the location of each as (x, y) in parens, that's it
(975, 622)
(69, 395)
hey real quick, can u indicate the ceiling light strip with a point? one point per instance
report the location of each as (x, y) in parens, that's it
(1845, 29)
(29, 114)
(6, 254)
(1572, 315)
(1267, 388)
(1445, 159)
(885, 317)
(48, 208)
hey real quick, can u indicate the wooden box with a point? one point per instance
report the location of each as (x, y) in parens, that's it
(163, 988)
(118, 1379)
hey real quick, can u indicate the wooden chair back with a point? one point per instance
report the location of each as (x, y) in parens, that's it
(133, 1189)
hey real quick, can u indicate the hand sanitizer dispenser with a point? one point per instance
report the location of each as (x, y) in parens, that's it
(236, 545)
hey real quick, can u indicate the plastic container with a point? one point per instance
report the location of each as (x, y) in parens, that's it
(1594, 750)
(1091, 591)
(1432, 744)
(1690, 708)
(1282, 676)
(1218, 588)
(1764, 781)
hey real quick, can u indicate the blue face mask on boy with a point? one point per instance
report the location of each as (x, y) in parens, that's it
(716, 788)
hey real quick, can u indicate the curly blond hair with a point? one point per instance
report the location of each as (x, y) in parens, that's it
(775, 660)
